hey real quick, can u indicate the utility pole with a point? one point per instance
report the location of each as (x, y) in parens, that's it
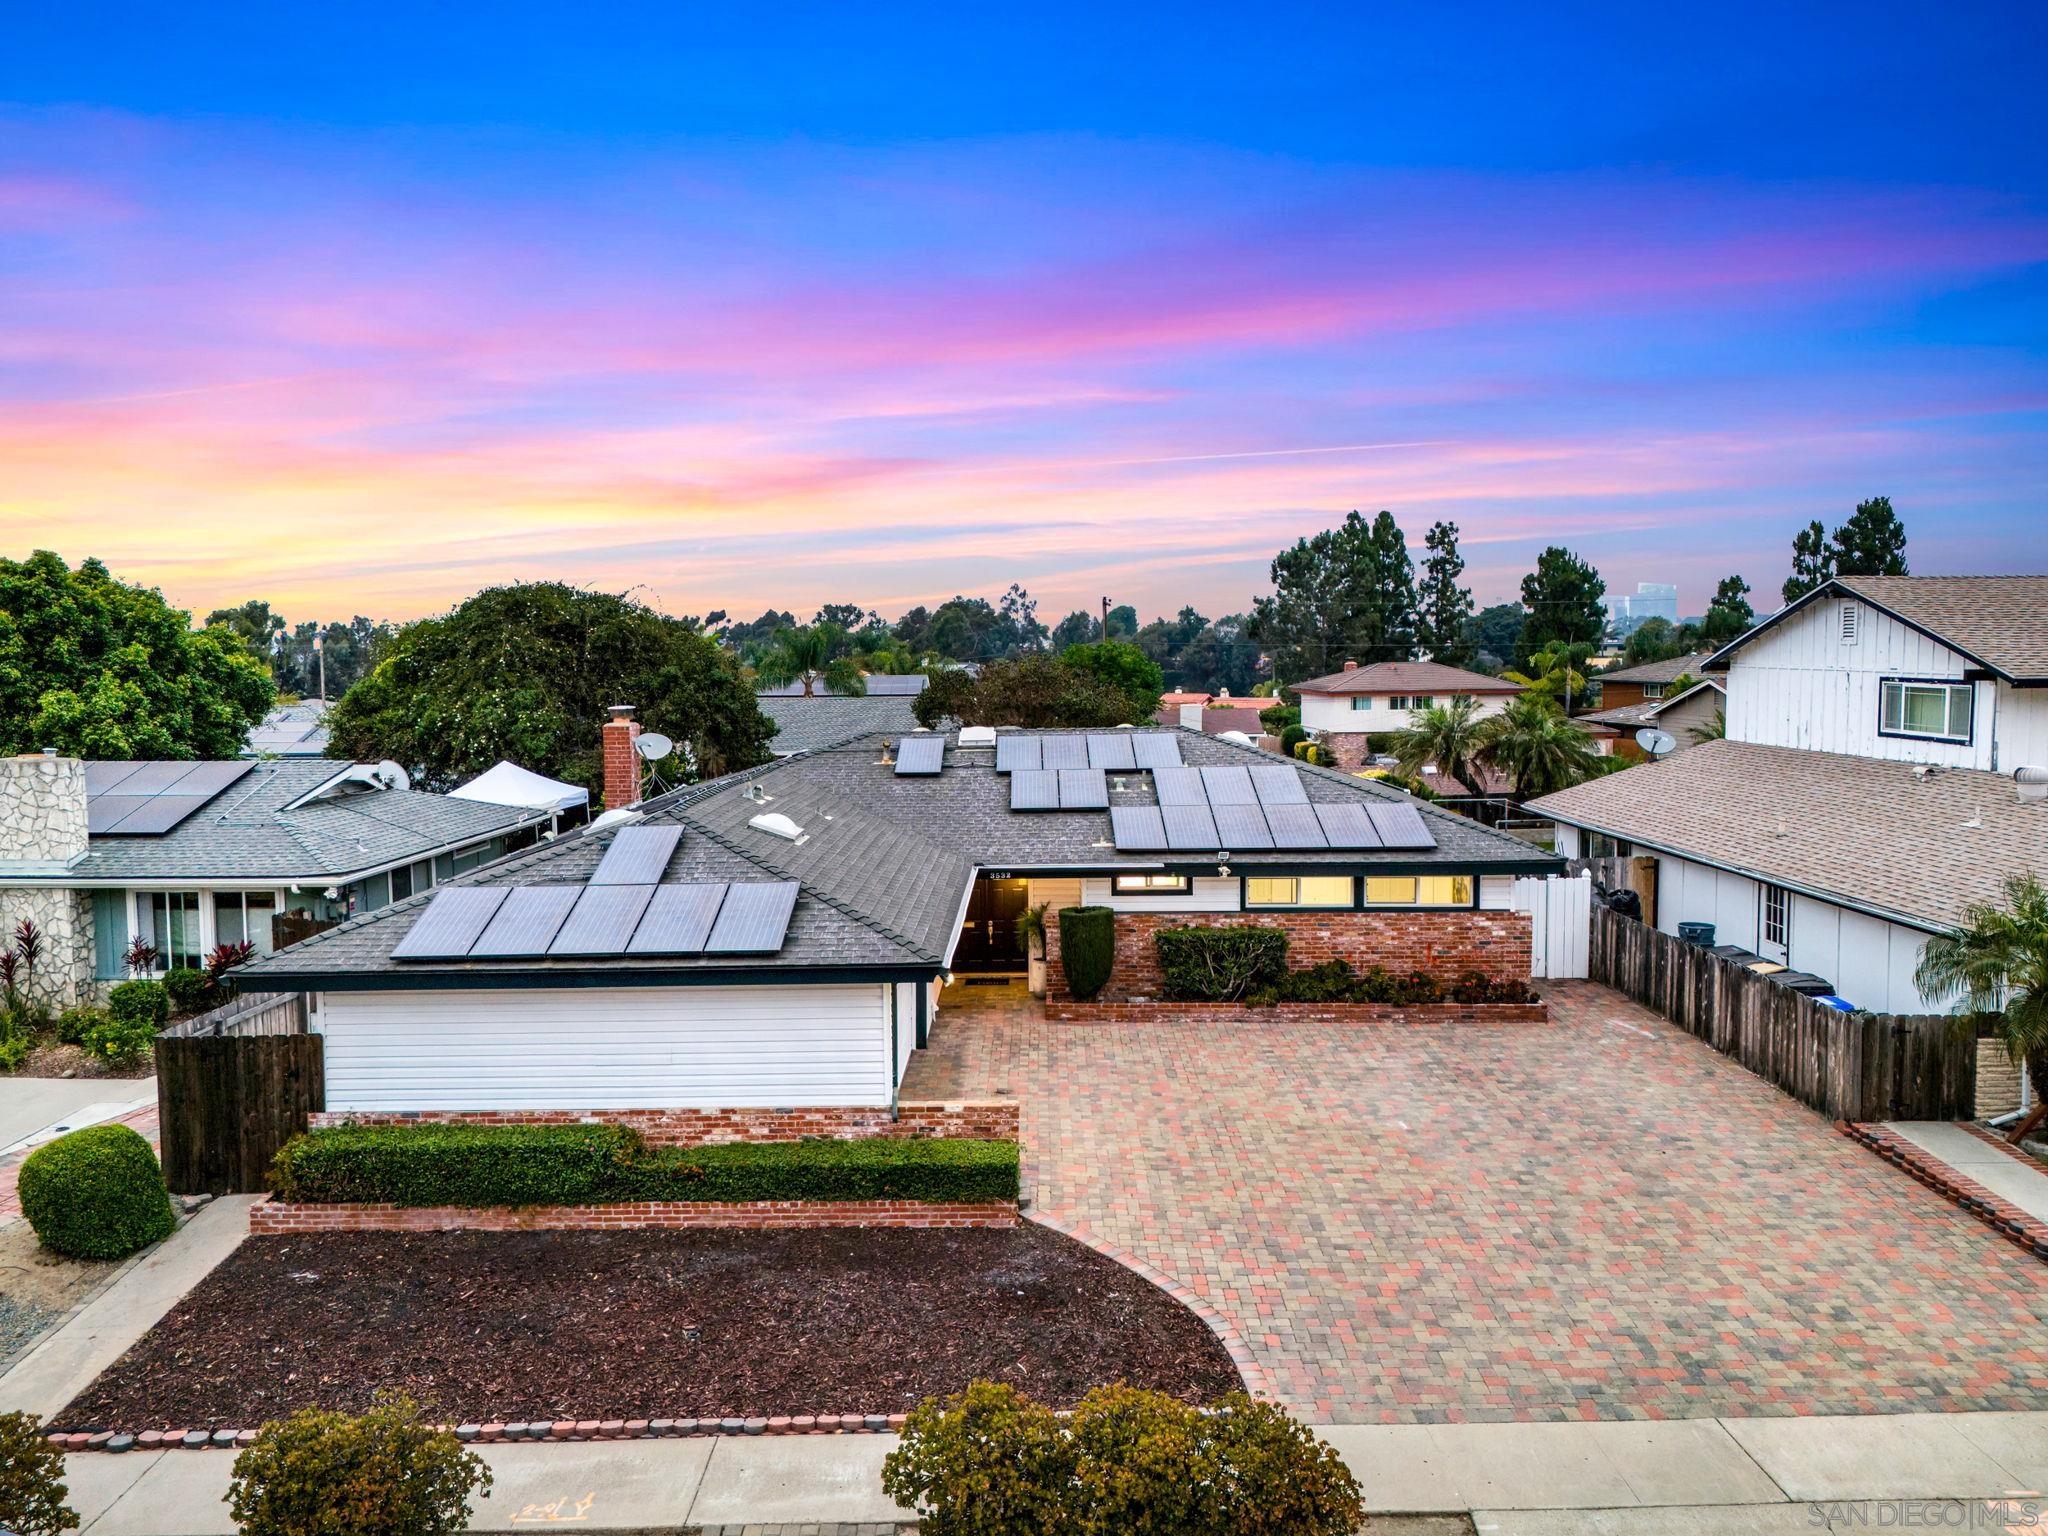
(320, 660)
(1105, 618)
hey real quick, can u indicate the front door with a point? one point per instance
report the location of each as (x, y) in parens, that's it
(989, 938)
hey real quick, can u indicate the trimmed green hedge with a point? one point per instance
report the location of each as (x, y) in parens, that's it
(1087, 948)
(471, 1165)
(96, 1194)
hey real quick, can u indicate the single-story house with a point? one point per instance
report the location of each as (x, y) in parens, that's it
(1345, 709)
(778, 938)
(805, 722)
(1648, 682)
(189, 855)
(290, 730)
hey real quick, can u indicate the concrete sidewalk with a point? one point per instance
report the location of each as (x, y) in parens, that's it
(2020, 1180)
(1696, 1477)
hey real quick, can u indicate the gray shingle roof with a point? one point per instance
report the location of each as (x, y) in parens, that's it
(1668, 670)
(245, 832)
(2001, 621)
(1871, 834)
(825, 720)
(886, 861)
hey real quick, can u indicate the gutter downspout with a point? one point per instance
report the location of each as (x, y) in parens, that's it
(895, 1112)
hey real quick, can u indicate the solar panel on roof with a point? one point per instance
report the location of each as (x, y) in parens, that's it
(100, 778)
(526, 921)
(1137, 828)
(920, 755)
(1083, 789)
(1111, 750)
(156, 814)
(154, 778)
(1241, 826)
(1278, 784)
(1064, 751)
(211, 778)
(678, 920)
(1155, 749)
(103, 812)
(1347, 826)
(1400, 826)
(1179, 786)
(753, 919)
(1189, 827)
(1227, 784)
(637, 856)
(1015, 752)
(1295, 826)
(1035, 789)
(602, 921)
(450, 923)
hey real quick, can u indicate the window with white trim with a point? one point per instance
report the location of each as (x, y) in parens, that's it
(1932, 711)
(1151, 885)
(168, 921)
(1361, 701)
(1299, 891)
(1777, 915)
(1418, 890)
(1653, 690)
(244, 917)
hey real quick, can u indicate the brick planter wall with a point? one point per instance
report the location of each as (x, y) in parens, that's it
(1444, 944)
(275, 1218)
(989, 1120)
(1095, 1012)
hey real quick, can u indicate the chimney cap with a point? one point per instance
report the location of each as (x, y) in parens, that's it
(621, 711)
(1350, 666)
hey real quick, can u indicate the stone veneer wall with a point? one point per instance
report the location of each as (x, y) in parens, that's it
(992, 1120)
(1998, 1080)
(43, 829)
(1445, 944)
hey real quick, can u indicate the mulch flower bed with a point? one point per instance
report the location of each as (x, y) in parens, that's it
(534, 1326)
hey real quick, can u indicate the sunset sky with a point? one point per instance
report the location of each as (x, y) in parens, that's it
(360, 308)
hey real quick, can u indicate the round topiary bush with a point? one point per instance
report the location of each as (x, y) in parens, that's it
(382, 1473)
(190, 991)
(96, 1194)
(1087, 948)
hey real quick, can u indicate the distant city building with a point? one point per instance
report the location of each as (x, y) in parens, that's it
(1651, 600)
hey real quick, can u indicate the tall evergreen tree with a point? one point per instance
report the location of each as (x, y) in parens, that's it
(1394, 577)
(1564, 598)
(1348, 593)
(1872, 542)
(1443, 608)
(1729, 614)
(1813, 561)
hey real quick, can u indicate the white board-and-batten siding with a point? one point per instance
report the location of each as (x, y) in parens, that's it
(611, 1048)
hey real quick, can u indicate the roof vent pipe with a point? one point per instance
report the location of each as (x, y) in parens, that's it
(2031, 782)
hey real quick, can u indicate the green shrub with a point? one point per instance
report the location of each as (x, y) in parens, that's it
(1335, 982)
(991, 1462)
(382, 1473)
(190, 991)
(1290, 738)
(1220, 965)
(986, 1462)
(1478, 987)
(74, 1024)
(13, 1052)
(1087, 948)
(1421, 987)
(96, 1194)
(483, 1165)
(144, 1002)
(31, 1480)
(120, 1043)
(1331, 982)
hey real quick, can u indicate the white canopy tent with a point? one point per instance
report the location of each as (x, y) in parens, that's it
(510, 784)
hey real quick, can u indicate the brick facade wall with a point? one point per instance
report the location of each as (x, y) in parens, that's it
(275, 1218)
(989, 1120)
(1444, 944)
(1092, 1012)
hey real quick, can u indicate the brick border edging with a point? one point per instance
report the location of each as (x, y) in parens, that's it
(1248, 1366)
(2029, 1233)
(557, 1430)
(271, 1217)
(1066, 1011)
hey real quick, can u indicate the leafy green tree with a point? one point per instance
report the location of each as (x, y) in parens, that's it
(1222, 658)
(814, 656)
(1996, 962)
(1813, 561)
(1164, 640)
(1077, 628)
(1453, 735)
(849, 618)
(747, 640)
(1035, 689)
(260, 629)
(1443, 607)
(526, 673)
(1340, 595)
(1652, 640)
(97, 668)
(1016, 628)
(1564, 598)
(1123, 622)
(1540, 750)
(1123, 666)
(1715, 729)
(1729, 614)
(1494, 636)
(1872, 542)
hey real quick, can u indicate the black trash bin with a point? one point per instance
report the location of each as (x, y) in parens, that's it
(1701, 934)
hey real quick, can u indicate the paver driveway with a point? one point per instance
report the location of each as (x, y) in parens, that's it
(1597, 1217)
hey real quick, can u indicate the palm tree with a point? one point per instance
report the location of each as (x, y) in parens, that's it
(1715, 729)
(1540, 750)
(1554, 672)
(1453, 736)
(1997, 961)
(811, 655)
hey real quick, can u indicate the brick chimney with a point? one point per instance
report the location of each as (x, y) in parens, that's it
(1350, 666)
(621, 762)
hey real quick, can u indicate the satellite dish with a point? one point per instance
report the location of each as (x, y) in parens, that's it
(653, 746)
(1655, 742)
(391, 776)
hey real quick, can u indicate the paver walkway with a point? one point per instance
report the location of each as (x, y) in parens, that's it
(1598, 1217)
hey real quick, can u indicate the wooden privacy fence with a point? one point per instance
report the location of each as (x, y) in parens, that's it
(1849, 1066)
(233, 1086)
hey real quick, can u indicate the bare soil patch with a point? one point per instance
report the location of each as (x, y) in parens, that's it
(49, 1057)
(495, 1326)
(38, 1288)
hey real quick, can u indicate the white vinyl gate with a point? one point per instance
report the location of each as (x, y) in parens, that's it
(1560, 909)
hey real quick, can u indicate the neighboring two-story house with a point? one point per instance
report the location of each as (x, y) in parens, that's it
(1345, 709)
(1864, 796)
